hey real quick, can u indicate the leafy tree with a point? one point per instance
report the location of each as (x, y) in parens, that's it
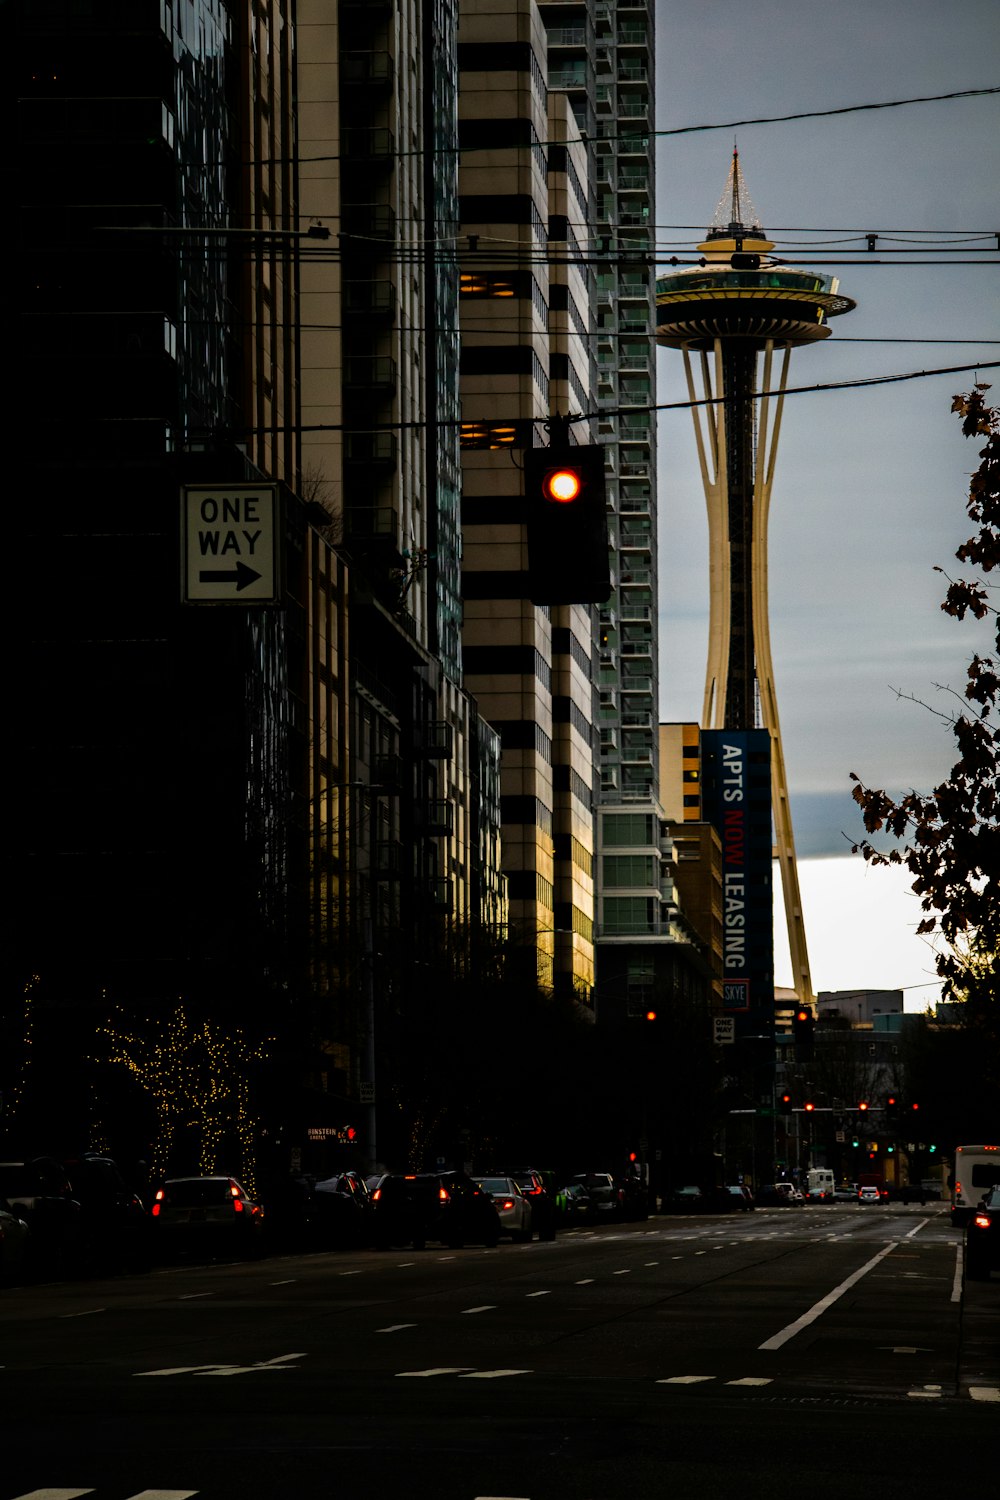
(951, 838)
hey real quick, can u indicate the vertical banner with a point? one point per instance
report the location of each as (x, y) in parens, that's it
(736, 790)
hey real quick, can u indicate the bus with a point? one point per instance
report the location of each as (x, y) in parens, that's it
(977, 1169)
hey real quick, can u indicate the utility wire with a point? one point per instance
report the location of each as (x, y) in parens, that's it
(604, 412)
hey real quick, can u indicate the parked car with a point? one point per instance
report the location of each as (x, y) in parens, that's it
(39, 1192)
(846, 1192)
(741, 1196)
(115, 1226)
(689, 1199)
(512, 1206)
(410, 1209)
(207, 1213)
(342, 1210)
(607, 1198)
(13, 1242)
(869, 1193)
(573, 1202)
(543, 1208)
(780, 1195)
(982, 1238)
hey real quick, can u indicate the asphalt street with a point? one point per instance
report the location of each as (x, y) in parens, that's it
(774, 1353)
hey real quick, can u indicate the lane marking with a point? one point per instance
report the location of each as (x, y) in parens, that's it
(538, 1294)
(491, 1374)
(930, 1392)
(349, 1273)
(911, 1232)
(278, 1363)
(752, 1380)
(486, 1307)
(684, 1379)
(652, 1263)
(984, 1392)
(89, 1313)
(587, 1281)
(53, 1494)
(820, 1307)
(192, 1296)
(621, 1273)
(435, 1370)
(164, 1495)
(956, 1284)
(395, 1327)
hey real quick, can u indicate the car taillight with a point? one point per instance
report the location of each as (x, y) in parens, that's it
(238, 1205)
(982, 1221)
(507, 1203)
(376, 1195)
(155, 1210)
(443, 1195)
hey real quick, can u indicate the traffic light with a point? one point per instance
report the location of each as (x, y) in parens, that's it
(891, 1108)
(809, 1106)
(650, 1015)
(803, 1024)
(567, 525)
(862, 1105)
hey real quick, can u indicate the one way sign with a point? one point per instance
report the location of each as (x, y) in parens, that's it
(229, 544)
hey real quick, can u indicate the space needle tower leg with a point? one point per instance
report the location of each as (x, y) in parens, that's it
(718, 709)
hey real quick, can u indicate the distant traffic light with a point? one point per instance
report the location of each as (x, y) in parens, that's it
(567, 525)
(891, 1107)
(803, 1025)
(651, 1015)
(862, 1105)
(809, 1106)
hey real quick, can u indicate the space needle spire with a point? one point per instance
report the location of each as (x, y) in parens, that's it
(735, 317)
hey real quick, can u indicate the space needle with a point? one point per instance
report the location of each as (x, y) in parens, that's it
(741, 312)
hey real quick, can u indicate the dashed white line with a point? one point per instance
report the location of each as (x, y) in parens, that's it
(685, 1379)
(621, 1273)
(486, 1307)
(395, 1327)
(192, 1296)
(538, 1294)
(587, 1281)
(984, 1392)
(435, 1370)
(491, 1374)
(88, 1313)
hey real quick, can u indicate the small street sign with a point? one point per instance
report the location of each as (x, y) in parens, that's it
(723, 1029)
(229, 544)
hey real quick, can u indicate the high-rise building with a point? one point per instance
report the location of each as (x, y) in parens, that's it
(158, 853)
(524, 304)
(234, 264)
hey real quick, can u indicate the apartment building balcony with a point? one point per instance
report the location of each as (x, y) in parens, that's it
(632, 107)
(636, 577)
(630, 71)
(604, 99)
(631, 182)
(435, 740)
(371, 523)
(636, 612)
(371, 450)
(632, 35)
(374, 221)
(373, 145)
(373, 71)
(566, 36)
(635, 469)
(437, 818)
(374, 374)
(374, 300)
(634, 362)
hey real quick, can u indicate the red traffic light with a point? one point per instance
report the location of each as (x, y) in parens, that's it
(862, 1104)
(651, 1015)
(914, 1106)
(562, 484)
(809, 1107)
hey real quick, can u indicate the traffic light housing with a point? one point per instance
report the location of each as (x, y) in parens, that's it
(567, 525)
(803, 1025)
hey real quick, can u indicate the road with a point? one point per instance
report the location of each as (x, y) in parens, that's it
(777, 1353)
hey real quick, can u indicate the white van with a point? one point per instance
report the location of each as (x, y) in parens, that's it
(977, 1169)
(819, 1185)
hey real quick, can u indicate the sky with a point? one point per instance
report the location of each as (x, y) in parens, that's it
(870, 487)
